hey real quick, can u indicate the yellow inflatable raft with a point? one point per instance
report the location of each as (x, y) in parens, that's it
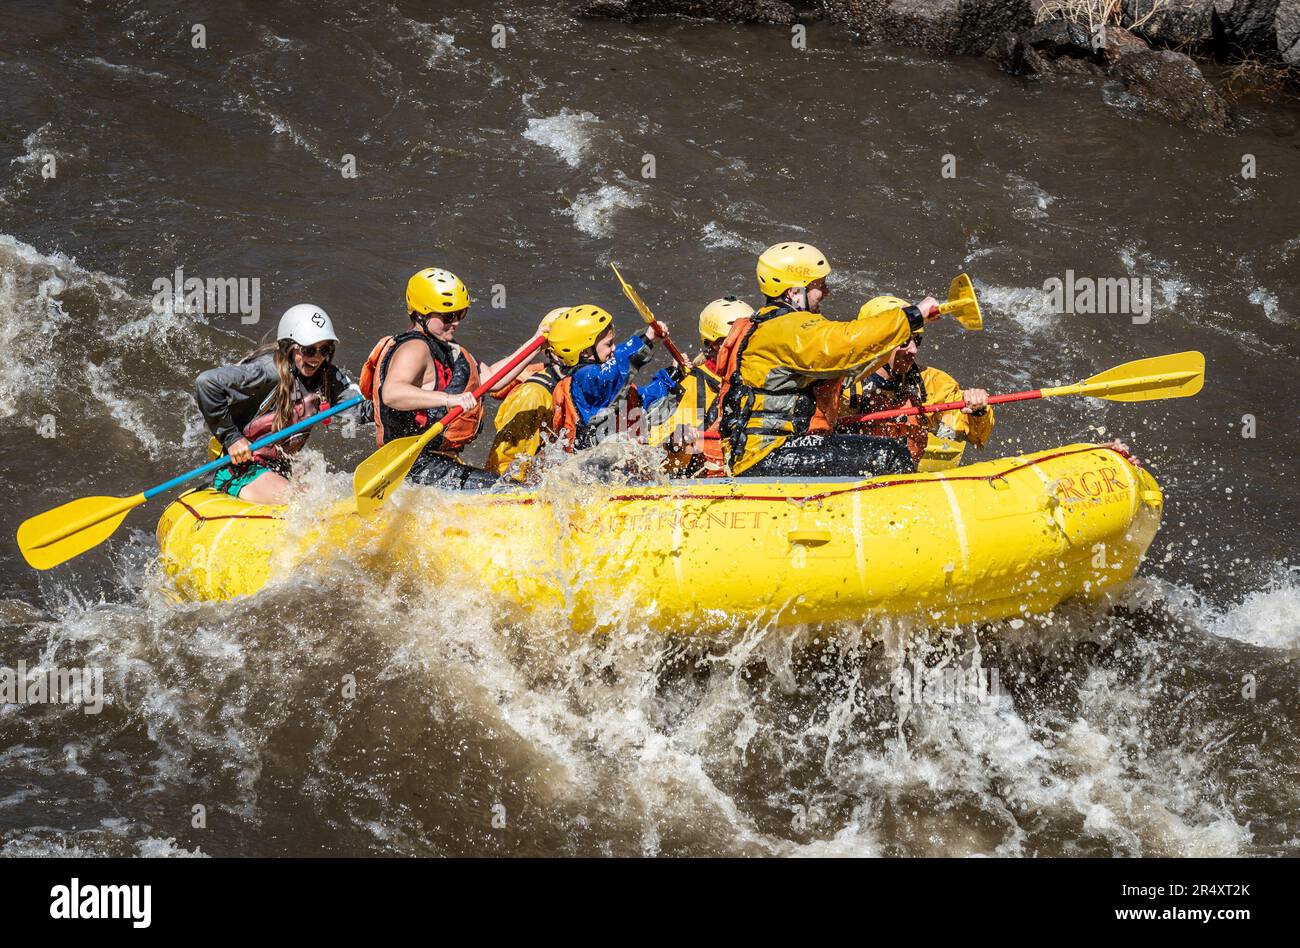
(994, 540)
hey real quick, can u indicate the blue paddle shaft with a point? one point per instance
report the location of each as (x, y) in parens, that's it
(272, 438)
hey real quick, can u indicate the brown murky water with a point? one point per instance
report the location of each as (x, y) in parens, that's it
(1167, 725)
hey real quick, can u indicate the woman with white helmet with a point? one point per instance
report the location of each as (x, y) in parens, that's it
(274, 386)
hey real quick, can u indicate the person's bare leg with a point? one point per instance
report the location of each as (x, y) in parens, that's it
(270, 488)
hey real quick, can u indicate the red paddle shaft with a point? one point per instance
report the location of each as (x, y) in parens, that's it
(926, 409)
(941, 407)
(485, 387)
(673, 351)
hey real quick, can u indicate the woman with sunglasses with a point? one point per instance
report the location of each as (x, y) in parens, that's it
(416, 377)
(274, 386)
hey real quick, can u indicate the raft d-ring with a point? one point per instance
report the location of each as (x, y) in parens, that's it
(999, 482)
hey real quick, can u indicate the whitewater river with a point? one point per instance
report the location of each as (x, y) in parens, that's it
(1164, 725)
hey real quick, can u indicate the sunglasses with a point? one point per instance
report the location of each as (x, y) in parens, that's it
(451, 319)
(325, 349)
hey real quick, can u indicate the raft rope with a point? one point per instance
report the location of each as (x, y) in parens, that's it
(899, 483)
(200, 519)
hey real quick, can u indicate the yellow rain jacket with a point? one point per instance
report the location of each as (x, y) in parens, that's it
(776, 357)
(524, 415)
(699, 391)
(942, 387)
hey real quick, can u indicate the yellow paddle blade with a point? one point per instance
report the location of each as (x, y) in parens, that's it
(58, 535)
(634, 297)
(383, 472)
(1179, 375)
(962, 303)
(380, 474)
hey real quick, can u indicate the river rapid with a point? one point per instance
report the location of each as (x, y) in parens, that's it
(1162, 724)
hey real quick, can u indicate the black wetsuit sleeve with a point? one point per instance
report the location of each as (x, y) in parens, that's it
(642, 356)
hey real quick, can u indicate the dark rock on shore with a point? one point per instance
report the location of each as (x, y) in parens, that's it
(1170, 84)
(1056, 47)
(1268, 29)
(1164, 82)
(1286, 23)
(1183, 23)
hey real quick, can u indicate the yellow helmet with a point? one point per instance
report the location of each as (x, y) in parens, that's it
(879, 305)
(576, 330)
(434, 290)
(717, 317)
(790, 264)
(551, 317)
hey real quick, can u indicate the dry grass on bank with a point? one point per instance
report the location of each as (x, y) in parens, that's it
(1093, 13)
(1266, 80)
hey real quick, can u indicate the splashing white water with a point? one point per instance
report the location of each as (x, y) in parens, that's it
(593, 211)
(568, 134)
(1269, 617)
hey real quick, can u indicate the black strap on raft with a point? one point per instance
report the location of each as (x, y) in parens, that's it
(741, 396)
(706, 382)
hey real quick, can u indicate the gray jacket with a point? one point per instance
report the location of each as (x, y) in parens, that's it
(231, 396)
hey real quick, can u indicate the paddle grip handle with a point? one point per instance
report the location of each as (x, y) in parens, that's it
(270, 439)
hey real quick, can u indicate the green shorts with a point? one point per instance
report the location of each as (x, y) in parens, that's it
(232, 481)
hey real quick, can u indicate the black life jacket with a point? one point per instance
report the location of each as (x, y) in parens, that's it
(455, 373)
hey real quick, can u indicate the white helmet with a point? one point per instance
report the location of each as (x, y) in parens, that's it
(306, 324)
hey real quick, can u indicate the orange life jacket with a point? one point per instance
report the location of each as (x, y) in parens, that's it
(826, 394)
(713, 463)
(728, 355)
(454, 373)
(826, 397)
(566, 422)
